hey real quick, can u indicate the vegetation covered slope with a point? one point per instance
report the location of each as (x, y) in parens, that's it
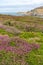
(24, 47)
(23, 23)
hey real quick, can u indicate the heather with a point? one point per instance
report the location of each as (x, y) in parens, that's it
(21, 40)
(3, 32)
(20, 48)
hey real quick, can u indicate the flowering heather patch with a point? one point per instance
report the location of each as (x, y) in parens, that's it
(9, 29)
(21, 47)
(4, 41)
(36, 46)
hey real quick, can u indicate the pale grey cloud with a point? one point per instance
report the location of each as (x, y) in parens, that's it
(20, 2)
(19, 5)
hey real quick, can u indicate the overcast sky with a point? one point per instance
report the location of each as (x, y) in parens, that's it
(19, 5)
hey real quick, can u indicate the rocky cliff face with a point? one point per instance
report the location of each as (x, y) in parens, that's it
(36, 12)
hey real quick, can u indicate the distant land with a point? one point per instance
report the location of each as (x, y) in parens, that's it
(34, 12)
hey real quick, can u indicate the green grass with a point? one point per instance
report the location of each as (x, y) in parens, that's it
(3, 32)
(35, 57)
(7, 58)
(12, 43)
(32, 36)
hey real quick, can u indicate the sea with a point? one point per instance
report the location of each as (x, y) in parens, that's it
(12, 13)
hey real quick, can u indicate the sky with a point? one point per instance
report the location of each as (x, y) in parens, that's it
(19, 5)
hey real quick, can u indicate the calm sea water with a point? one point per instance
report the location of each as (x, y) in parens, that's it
(12, 13)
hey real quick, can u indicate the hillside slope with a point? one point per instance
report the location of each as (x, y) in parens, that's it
(21, 40)
(36, 12)
(22, 23)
